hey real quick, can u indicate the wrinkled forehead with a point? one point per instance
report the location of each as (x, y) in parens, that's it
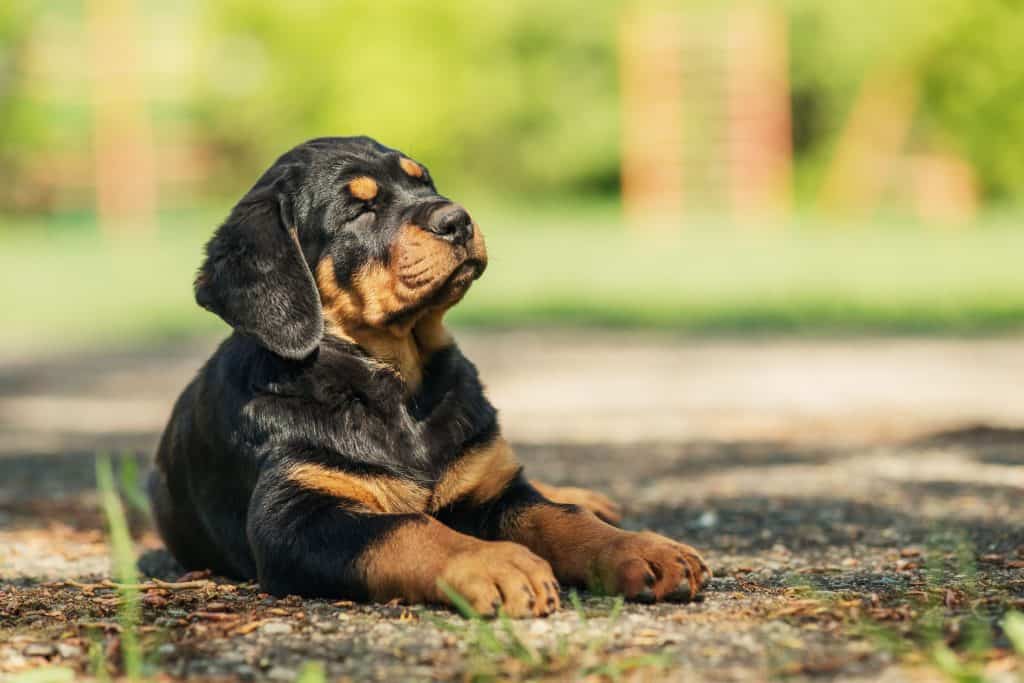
(347, 158)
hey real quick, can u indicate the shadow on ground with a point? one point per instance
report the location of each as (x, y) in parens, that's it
(883, 528)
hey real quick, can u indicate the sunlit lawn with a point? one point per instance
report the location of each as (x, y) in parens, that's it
(65, 287)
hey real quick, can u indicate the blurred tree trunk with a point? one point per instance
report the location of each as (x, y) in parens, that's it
(760, 149)
(650, 62)
(122, 134)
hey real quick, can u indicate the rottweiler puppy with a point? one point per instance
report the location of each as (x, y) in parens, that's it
(338, 444)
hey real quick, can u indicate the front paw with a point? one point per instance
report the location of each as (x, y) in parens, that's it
(648, 567)
(502, 576)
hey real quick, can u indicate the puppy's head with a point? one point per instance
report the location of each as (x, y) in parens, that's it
(343, 233)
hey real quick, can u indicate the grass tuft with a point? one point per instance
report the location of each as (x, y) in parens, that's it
(497, 650)
(122, 553)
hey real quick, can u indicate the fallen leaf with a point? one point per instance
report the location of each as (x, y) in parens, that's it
(248, 627)
(216, 616)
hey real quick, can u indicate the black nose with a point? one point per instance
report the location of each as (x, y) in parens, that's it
(452, 223)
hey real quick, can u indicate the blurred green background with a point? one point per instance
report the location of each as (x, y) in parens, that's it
(729, 167)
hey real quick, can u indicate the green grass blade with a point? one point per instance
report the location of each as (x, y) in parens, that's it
(131, 487)
(617, 606)
(122, 555)
(460, 603)
(1013, 626)
(577, 606)
(312, 672)
(521, 649)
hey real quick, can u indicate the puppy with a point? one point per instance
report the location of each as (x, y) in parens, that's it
(338, 444)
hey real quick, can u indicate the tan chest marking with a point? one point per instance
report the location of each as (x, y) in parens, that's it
(479, 475)
(378, 494)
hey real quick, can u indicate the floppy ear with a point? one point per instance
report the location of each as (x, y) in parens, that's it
(256, 278)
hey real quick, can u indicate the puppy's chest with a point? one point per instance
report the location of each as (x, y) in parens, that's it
(464, 460)
(435, 448)
(474, 462)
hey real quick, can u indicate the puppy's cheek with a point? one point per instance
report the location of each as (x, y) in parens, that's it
(381, 293)
(420, 261)
(370, 298)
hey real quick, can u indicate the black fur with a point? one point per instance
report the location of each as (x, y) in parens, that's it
(279, 392)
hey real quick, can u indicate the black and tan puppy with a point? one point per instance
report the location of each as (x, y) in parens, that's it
(338, 443)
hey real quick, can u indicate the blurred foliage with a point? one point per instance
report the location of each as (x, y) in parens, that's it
(449, 82)
(19, 128)
(514, 98)
(964, 55)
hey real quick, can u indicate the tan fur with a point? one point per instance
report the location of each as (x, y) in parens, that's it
(407, 562)
(378, 494)
(419, 264)
(411, 167)
(598, 503)
(351, 314)
(480, 475)
(431, 334)
(363, 187)
(583, 549)
(570, 541)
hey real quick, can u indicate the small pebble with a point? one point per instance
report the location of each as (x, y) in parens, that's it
(280, 673)
(68, 651)
(708, 520)
(276, 628)
(39, 650)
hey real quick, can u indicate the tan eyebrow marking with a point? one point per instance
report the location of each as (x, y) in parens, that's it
(363, 187)
(411, 167)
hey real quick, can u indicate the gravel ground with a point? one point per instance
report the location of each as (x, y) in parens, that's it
(849, 536)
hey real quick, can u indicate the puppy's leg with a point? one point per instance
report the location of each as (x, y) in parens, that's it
(598, 503)
(582, 549)
(329, 541)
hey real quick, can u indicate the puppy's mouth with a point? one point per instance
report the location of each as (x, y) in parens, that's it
(455, 286)
(465, 273)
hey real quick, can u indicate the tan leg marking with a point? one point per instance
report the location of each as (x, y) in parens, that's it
(410, 560)
(598, 503)
(585, 551)
(378, 494)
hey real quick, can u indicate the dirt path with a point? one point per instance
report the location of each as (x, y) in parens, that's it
(839, 489)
